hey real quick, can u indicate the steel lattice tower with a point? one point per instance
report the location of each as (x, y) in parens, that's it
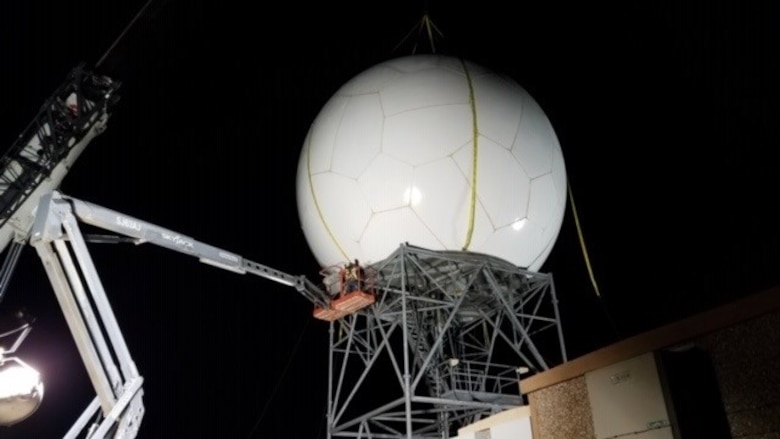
(442, 346)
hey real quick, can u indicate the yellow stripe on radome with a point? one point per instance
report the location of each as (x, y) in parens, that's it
(317, 204)
(475, 134)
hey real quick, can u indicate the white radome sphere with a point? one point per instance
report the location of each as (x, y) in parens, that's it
(390, 159)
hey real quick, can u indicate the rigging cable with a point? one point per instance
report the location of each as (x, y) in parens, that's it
(424, 25)
(474, 156)
(121, 35)
(582, 242)
(587, 262)
(279, 381)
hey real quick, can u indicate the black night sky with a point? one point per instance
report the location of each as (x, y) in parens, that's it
(666, 113)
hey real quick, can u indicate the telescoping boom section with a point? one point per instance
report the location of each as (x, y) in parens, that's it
(55, 208)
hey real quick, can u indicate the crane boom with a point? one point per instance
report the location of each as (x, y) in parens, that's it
(41, 156)
(44, 152)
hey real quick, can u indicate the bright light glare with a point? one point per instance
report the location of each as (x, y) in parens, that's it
(18, 381)
(21, 391)
(519, 224)
(412, 196)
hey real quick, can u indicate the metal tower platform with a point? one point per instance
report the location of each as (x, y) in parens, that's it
(443, 345)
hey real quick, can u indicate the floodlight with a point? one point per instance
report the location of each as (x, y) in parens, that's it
(21, 388)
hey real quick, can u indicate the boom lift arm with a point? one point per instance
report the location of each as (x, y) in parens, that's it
(57, 239)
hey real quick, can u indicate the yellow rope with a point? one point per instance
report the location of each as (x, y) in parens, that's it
(317, 204)
(582, 241)
(474, 134)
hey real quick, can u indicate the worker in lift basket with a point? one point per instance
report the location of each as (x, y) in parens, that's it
(352, 277)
